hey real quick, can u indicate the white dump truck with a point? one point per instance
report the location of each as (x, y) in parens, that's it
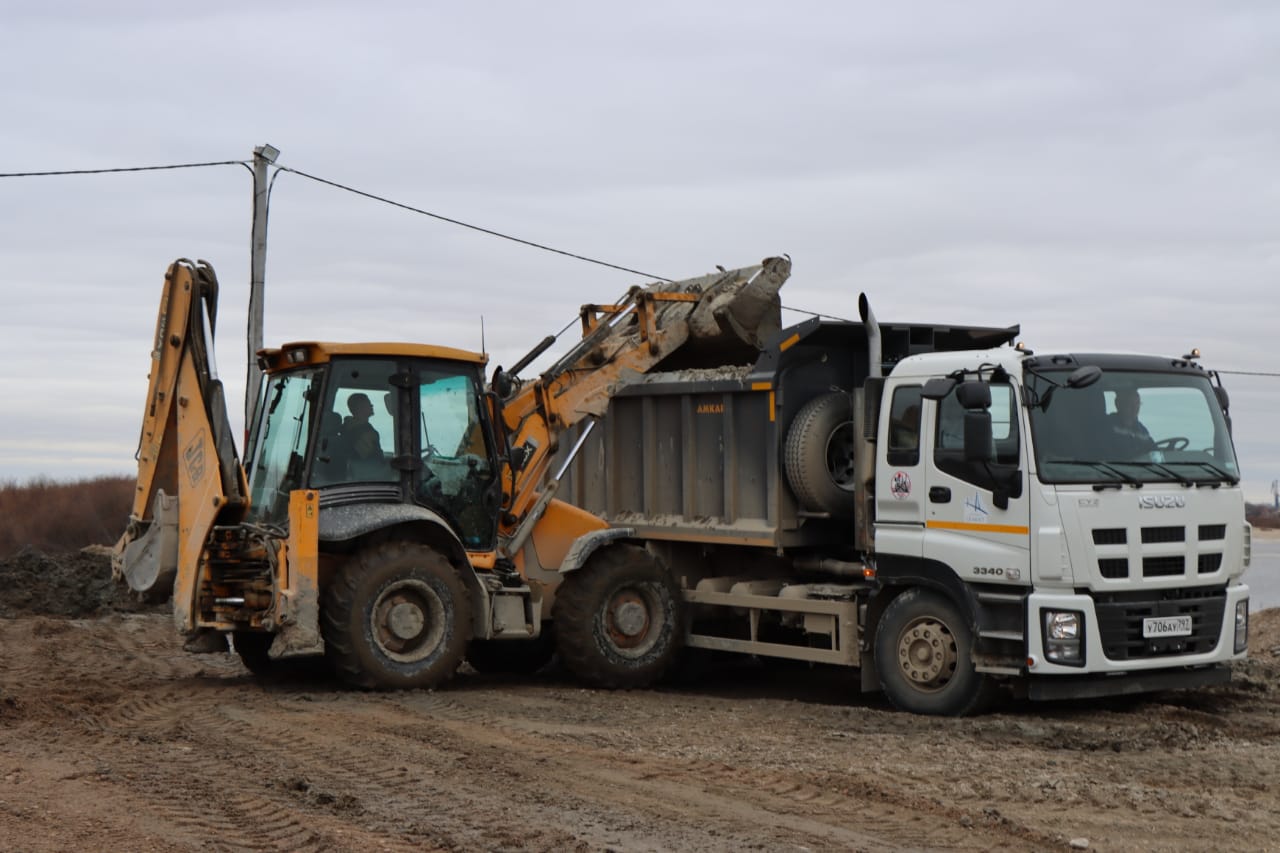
(933, 505)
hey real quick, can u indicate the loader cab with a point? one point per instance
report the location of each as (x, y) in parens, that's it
(377, 424)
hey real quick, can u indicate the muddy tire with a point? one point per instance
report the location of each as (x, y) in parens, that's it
(396, 616)
(818, 455)
(511, 657)
(923, 657)
(618, 619)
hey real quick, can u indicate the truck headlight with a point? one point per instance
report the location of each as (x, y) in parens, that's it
(1242, 626)
(1064, 636)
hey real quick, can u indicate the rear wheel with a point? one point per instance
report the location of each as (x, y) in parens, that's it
(923, 657)
(396, 615)
(617, 619)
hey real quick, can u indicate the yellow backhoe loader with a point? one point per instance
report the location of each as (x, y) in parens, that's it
(396, 513)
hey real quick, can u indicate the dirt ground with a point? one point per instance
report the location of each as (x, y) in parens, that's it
(111, 737)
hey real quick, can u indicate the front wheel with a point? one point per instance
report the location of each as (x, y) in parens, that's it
(618, 619)
(923, 657)
(397, 616)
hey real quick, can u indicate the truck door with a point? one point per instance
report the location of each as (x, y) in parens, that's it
(900, 502)
(977, 513)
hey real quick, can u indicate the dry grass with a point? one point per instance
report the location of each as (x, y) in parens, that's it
(54, 516)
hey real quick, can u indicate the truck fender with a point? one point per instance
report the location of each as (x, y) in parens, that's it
(587, 544)
(896, 574)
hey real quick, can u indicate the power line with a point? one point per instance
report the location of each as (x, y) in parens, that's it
(120, 169)
(488, 231)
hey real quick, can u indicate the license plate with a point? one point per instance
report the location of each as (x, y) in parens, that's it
(1167, 626)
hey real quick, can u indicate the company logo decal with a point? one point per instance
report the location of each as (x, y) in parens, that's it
(900, 486)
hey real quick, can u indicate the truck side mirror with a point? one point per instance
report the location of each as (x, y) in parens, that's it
(978, 439)
(974, 395)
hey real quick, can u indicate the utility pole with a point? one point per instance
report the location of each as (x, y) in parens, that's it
(263, 156)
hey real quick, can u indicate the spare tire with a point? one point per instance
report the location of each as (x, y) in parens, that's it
(818, 455)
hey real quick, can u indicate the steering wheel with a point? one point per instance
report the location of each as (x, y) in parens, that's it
(1176, 443)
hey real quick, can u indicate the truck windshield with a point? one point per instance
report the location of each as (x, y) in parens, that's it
(278, 452)
(1130, 427)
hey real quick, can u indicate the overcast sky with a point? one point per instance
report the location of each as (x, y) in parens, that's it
(1104, 174)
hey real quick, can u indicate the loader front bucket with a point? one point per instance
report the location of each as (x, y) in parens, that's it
(736, 314)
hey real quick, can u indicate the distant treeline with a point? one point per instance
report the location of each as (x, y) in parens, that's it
(1262, 515)
(59, 516)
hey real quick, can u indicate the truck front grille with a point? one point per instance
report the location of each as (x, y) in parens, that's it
(1166, 551)
(1120, 618)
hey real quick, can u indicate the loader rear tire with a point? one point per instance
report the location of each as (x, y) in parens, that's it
(618, 619)
(396, 616)
(818, 455)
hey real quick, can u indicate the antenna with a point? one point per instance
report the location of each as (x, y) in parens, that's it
(1275, 493)
(482, 349)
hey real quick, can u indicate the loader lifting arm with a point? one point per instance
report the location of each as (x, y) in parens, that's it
(189, 473)
(710, 321)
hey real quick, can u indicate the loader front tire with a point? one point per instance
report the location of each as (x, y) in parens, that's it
(396, 616)
(618, 619)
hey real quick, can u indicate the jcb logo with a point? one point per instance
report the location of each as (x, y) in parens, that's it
(1161, 501)
(193, 459)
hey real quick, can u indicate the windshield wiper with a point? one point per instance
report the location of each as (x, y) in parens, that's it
(1105, 467)
(1157, 466)
(1227, 476)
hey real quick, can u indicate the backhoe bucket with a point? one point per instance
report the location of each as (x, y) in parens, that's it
(149, 562)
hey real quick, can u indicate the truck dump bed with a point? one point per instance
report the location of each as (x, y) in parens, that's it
(695, 455)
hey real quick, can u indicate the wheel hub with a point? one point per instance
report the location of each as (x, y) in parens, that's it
(927, 654)
(628, 619)
(406, 620)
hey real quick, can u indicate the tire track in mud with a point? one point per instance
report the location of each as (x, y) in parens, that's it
(732, 803)
(810, 801)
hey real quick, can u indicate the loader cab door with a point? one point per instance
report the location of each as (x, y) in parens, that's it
(357, 437)
(458, 476)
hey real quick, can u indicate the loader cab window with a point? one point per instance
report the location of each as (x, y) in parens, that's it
(356, 440)
(277, 459)
(458, 475)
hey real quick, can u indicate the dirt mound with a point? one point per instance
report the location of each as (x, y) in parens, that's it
(70, 584)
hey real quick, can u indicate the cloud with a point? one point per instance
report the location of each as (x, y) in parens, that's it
(1105, 176)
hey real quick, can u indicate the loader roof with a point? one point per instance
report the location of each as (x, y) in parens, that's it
(319, 352)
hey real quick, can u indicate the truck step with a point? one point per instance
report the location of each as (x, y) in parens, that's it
(1013, 636)
(988, 597)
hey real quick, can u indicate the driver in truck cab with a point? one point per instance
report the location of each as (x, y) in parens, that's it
(1124, 420)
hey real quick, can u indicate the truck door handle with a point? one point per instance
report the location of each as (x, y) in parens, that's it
(940, 495)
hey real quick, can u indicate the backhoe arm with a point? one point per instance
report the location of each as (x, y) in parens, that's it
(189, 474)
